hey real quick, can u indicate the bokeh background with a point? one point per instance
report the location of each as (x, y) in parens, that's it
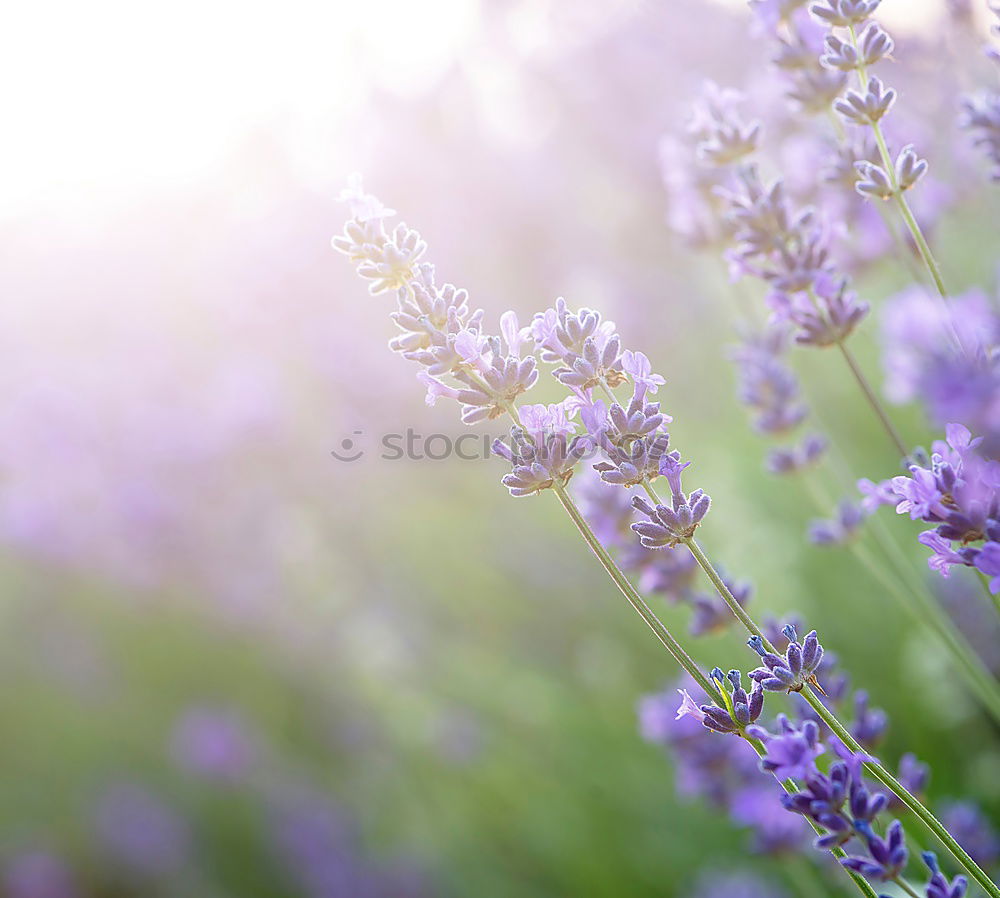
(232, 665)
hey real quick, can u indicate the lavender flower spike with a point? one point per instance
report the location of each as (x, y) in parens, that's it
(795, 670)
(671, 524)
(741, 709)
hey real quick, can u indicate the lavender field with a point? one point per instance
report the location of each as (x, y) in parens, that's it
(501, 449)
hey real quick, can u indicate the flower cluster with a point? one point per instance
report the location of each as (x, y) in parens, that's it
(854, 43)
(670, 525)
(838, 801)
(793, 671)
(959, 492)
(669, 572)
(919, 365)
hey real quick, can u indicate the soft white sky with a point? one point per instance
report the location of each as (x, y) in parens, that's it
(110, 98)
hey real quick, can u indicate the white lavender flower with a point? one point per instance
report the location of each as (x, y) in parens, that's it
(867, 108)
(873, 45)
(843, 13)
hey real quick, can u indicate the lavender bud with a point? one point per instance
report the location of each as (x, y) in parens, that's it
(910, 168)
(874, 181)
(843, 13)
(867, 108)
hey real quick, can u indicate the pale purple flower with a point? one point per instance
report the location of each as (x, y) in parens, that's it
(638, 366)
(875, 495)
(792, 751)
(689, 707)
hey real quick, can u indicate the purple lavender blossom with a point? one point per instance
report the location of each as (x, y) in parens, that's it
(843, 13)
(869, 724)
(767, 384)
(542, 457)
(711, 613)
(788, 460)
(742, 709)
(981, 117)
(706, 765)
(866, 108)
(795, 670)
(792, 751)
(670, 525)
(887, 856)
(960, 494)
(914, 775)
(839, 530)
(938, 886)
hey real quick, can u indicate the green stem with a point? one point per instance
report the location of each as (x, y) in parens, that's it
(633, 597)
(873, 400)
(906, 887)
(929, 614)
(791, 788)
(827, 716)
(906, 213)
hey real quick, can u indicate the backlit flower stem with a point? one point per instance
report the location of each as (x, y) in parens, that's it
(979, 678)
(873, 400)
(906, 213)
(904, 207)
(874, 768)
(929, 614)
(672, 645)
(866, 389)
(634, 599)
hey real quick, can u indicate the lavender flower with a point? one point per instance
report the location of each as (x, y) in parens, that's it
(722, 136)
(741, 709)
(843, 13)
(887, 857)
(938, 885)
(869, 724)
(387, 259)
(542, 457)
(960, 493)
(827, 316)
(797, 458)
(866, 108)
(841, 529)
(873, 45)
(792, 752)
(671, 524)
(767, 385)
(795, 670)
(914, 775)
